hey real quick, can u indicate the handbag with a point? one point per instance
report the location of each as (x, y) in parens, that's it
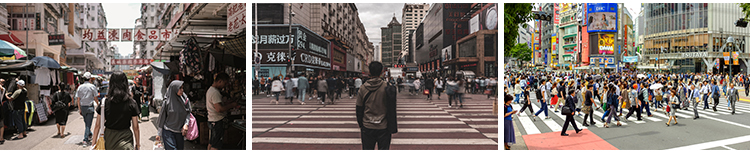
(99, 145)
(488, 91)
(566, 110)
(426, 92)
(192, 132)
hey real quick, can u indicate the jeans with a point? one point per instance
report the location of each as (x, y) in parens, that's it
(613, 109)
(19, 121)
(450, 99)
(276, 94)
(543, 108)
(515, 99)
(460, 97)
(705, 101)
(301, 95)
(370, 137)
(88, 116)
(172, 140)
(322, 96)
(644, 105)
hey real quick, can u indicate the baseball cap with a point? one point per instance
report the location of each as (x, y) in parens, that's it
(21, 82)
(87, 75)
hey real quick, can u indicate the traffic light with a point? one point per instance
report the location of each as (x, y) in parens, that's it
(741, 23)
(538, 15)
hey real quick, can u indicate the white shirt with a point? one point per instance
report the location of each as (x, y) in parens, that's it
(213, 96)
(438, 83)
(294, 80)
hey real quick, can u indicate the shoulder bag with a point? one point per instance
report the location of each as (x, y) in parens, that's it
(99, 145)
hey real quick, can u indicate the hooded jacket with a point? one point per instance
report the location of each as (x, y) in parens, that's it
(174, 110)
(375, 106)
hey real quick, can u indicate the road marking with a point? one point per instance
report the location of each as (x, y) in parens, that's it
(528, 125)
(728, 147)
(400, 130)
(483, 126)
(549, 122)
(477, 119)
(490, 135)
(633, 116)
(707, 145)
(395, 141)
(597, 113)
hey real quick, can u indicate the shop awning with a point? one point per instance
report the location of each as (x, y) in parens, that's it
(12, 39)
(16, 65)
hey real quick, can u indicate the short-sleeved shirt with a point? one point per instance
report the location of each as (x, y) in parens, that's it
(213, 96)
(588, 98)
(118, 115)
(87, 92)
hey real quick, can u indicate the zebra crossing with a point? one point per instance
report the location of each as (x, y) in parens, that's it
(422, 124)
(535, 125)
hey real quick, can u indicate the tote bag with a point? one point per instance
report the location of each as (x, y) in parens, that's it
(192, 132)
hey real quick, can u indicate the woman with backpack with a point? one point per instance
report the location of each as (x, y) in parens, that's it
(276, 88)
(62, 100)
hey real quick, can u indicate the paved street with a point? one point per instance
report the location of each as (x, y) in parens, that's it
(42, 136)
(423, 125)
(713, 130)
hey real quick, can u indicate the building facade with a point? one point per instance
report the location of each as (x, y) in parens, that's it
(694, 43)
(411, 16)
(391, 40)
(567, 38)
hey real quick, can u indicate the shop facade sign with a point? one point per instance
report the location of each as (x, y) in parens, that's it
(277, 37)
(131, 61)
(695, 55)
(56, 39)
(281, 57)
(236, 18)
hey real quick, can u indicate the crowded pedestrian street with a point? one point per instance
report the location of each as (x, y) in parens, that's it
(423, 124)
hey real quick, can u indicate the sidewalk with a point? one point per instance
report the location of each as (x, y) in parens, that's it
(41, 138)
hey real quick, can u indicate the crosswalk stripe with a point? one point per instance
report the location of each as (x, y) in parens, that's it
(483, 126)
(354, 122)
(528, 125)
(633, 117)
(549, 122)
(395, 141)
(490, 135)
(477, 119)
(400, 130)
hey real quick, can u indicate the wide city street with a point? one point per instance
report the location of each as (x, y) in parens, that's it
(423, 124)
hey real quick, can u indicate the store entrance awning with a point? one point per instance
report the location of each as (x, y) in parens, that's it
(11, 39)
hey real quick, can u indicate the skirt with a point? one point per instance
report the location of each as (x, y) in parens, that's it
(510, 136)
(118, 139)
(554, 100)
(586, 109)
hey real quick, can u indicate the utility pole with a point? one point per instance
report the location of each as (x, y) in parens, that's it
(289, 43)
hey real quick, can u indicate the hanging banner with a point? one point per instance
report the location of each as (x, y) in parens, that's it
(127, 35)
(236, 18)
(153, 34)
(726, 58)
(736, 58)
(139, 35)
(113, 35)
(131, 61)
(165, 34)
(101, 35)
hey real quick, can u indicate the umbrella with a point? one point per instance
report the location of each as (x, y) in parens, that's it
(45, 61)
(7, 49)
(641, 76)
(656, 86)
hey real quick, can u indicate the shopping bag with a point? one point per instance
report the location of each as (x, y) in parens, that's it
(426, 92)
(192, 132)
(488, 91)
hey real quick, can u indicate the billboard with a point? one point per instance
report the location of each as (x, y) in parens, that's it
(557, 14)
(602, 17)
(605, 43)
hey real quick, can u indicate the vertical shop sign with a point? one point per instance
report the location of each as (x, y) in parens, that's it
(236, 18)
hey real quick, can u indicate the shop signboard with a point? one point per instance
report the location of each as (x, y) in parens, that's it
(603, 44)
(236, 18)
(56, 39)
(131, 61)
(303, 57)
(602, 17)
(113, 34)
(630, 59)
(557, 13)
(447, 54)
(277, 37)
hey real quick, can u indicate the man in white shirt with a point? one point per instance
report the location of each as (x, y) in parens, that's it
(217, 107)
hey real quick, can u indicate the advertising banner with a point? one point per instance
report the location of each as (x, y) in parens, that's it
(602, 17)
(736, 57)
(447, 54)
(303, 57)
(277, 37)
(557, 13)
(585, 45)
(630, 59)
(726, 58)
(605, 44)
(554, 42)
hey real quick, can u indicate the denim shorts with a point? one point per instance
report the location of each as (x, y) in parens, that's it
(217, 133)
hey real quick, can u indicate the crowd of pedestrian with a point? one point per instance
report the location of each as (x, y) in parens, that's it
(583, 93)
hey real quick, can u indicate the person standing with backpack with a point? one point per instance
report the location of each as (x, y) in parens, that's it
(62, 100)
(376, 111)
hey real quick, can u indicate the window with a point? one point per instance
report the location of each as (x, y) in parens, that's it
(468, 48)
(408, 14)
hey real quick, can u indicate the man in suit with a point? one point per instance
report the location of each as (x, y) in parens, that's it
(732, 96)
(569, 117)
(302, 85)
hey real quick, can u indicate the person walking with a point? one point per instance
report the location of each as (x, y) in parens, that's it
(3, 108)
(509, 131)
(540, 96)
(429, 84)
(120, 113)
(302, 85)
(289, 88)
(459, 95)
(673, 105)
(323, 90)
(526, 101)
(695, 97)
(612, 104)
(569, 117)
(624, 97)
(705, 90)
(587, 110)
(716, 94)
(276, 88)
(61, 114)
(747, 85)
(376, 111)
(357, 84)
(451, 90)
(517, 91)
(645, 101)
(172, 125)
(634, 105)
(85, 99)
(439, 86)
(732, 96)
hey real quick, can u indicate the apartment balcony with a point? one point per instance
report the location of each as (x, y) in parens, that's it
(71, 40)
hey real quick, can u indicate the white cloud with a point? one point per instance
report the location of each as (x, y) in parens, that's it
(377, 15)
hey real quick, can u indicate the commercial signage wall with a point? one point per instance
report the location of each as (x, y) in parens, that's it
(585, 43)
(557, 13)
(605, 43)
(338, 58)
(303, 57)
(277, 37)
(602, 17)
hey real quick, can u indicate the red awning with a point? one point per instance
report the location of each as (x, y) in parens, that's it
(11, 38)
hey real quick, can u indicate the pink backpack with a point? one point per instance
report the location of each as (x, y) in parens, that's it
(192, 132)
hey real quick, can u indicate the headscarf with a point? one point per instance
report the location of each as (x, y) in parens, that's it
(172, 96)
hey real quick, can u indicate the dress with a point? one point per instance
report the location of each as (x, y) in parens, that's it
(510, 136)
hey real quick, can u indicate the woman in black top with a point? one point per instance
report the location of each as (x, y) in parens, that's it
(61, 115)
(120, 113)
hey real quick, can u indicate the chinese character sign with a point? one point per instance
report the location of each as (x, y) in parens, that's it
(88, 34)
(127, 34)
(101, 35)
(113, 35)
(236, 18)
(166, 34)
(140, 35)
(153, 34)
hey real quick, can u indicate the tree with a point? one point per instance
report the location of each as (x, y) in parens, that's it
(515, 14)
(520, 52)
(745, 9)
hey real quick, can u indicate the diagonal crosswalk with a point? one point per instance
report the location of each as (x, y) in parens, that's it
(536, 125)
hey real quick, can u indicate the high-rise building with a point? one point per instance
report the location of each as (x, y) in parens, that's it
(568, 35)
(692, 36)
(437, 35)
(391, 40)
(150, 19)
(411, 16)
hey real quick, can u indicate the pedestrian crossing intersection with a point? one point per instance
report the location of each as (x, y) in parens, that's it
(528, 124)
(422, 125)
